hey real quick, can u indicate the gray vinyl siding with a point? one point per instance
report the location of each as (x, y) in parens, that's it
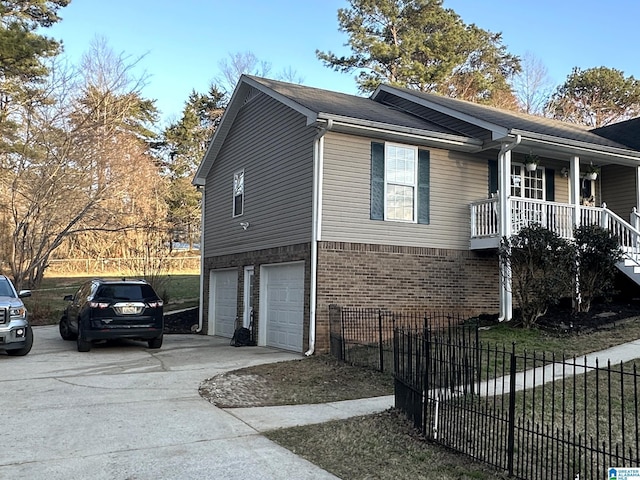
(273, 145)
(457, 179)
(618, 187)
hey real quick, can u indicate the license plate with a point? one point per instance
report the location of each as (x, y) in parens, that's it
(127, 310)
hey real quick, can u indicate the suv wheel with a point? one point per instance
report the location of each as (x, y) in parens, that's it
(155, 342)
(27, 347)
(65, 330)
(83, 345)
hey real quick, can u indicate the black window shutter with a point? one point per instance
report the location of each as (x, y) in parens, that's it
(493, 177)
(377, 181)
(423, 186)
(550, 184)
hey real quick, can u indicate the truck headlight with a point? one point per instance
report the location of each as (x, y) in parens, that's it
(18, 313)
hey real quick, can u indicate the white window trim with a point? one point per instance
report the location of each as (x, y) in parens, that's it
(414, 185)
(233, 197)
(523, 170)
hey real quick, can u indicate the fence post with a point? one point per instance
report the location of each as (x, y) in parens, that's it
(380, 340)
(512, 410)
(478, 358)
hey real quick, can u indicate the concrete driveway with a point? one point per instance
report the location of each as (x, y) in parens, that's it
(125, 412)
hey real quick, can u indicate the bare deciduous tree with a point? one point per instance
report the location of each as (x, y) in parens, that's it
(532, 85)
(78, 150)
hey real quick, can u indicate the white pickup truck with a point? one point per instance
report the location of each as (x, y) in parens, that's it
(16, 336)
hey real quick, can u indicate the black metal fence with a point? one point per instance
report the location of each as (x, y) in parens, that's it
(533, 416)
(364, 336)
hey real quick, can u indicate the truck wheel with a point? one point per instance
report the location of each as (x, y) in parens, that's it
(27, 347)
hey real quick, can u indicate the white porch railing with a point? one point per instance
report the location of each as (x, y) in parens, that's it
(557, 217)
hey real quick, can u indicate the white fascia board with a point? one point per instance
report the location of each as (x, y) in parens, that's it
(497, 130)
(444, 140)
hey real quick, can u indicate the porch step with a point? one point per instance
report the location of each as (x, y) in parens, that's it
(630, 264)
(633, 272)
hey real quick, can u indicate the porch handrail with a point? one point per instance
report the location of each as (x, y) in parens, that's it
(635, 218)
(557, 217)
(627, 234)
(484, 218)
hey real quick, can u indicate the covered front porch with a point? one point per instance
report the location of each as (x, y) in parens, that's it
(560, 196)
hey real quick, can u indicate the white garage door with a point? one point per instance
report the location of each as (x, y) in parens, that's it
(284, 305)
(223, 306)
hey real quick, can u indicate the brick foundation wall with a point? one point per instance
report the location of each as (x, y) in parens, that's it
(290, 253)
(360, 275)
(403, 279)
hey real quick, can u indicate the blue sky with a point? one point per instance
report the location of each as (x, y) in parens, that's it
(183, 41)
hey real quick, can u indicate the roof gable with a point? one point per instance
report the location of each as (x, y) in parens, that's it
(323, 105)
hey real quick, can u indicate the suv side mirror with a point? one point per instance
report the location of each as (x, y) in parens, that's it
(24, 293)
(68, 298)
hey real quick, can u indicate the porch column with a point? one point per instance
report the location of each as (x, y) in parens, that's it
(504, 192)
(575, 190)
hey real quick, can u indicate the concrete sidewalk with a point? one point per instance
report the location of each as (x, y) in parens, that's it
(263, 419)
(568, 368)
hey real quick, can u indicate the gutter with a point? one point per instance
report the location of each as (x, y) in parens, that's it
(578, 147)
(316, 234)
(423, 137)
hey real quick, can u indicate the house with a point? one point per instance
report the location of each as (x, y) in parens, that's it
(313, 197)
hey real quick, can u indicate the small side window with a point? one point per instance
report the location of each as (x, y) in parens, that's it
(238, 193)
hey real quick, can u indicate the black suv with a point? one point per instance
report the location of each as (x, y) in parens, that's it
(110, 309)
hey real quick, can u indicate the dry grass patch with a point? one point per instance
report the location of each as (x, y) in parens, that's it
(381, 446)
(316, 379)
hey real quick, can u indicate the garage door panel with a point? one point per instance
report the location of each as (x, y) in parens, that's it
(225, 286)
(285, 306)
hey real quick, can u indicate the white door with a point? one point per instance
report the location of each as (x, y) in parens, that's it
(248, 297)
(282, 289)
(223, 304)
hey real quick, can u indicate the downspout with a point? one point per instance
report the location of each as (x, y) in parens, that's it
(318, 157)
(504, 186)
(201, 309)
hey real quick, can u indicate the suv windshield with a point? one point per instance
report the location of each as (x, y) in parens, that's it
(125, 292)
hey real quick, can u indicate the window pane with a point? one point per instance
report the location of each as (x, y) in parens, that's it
(237, 205)
(238, 192)
(533, 185)
(401, 165)
(400, 202)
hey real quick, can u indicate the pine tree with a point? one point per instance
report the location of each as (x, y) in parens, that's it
(419, 44)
